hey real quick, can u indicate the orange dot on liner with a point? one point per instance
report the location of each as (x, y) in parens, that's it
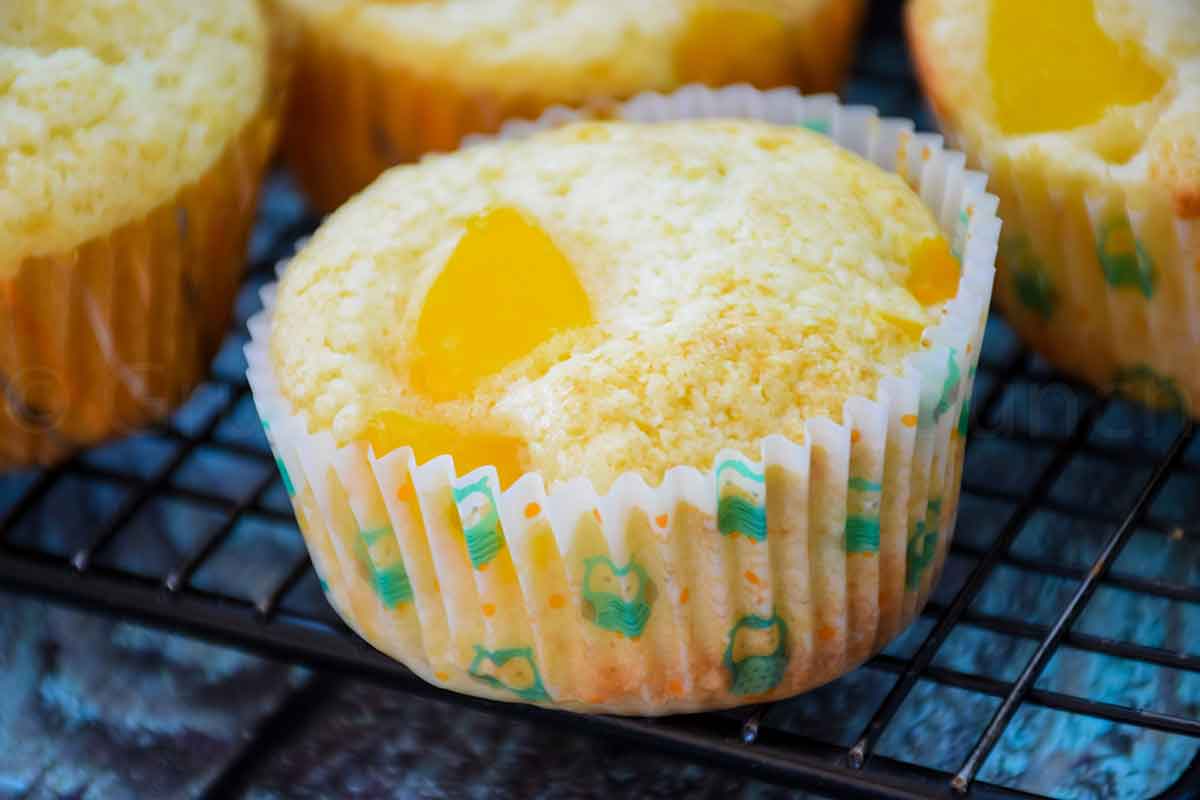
(826, 633)
(481, 568)
(488, 609)
(752, 577)
(406, 493)
(441, 676)
(675, 687)
(596, 514)
(661, 520)
(855, 436)
(683, 596)
(909, 420)
(925, 154)
(532, 510)
(557, 601)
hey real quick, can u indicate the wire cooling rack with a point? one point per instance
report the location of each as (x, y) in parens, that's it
(1060, 655)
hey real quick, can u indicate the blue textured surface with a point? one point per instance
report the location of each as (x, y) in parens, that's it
(91, 708)
(378, 744)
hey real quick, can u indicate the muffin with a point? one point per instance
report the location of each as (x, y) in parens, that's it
(380, 83)
(1086, 115)
(133, 138)
(585, 418)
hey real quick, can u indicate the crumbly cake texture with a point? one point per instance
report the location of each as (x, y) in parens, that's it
(109, 107)
(743, 278)
(1086, 116)
(565, 50)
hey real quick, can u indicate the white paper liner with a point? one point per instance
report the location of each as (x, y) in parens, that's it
(1103, 284)
(758, 579)
(100, 339)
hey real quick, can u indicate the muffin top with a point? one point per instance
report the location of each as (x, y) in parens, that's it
(571, 50)
(109, 107)
(608, 296)
(1106, 91)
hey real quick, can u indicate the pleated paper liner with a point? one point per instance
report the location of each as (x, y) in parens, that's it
(1105, 285)
(354, 115)
(762, 577)
(97, 341)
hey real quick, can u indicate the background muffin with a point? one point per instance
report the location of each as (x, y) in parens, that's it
(380, 83)
(132, 138)
(611, 307)
(1087, 117)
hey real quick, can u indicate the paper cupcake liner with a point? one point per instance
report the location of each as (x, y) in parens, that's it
(354, 115)
(98, 340)
(1103, 284)
(767, 575)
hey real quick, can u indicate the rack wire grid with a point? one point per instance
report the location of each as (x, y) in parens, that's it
(1059, 656)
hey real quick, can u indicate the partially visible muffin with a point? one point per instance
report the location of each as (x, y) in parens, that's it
(132, 138)
(379, 83)
(1086, 114)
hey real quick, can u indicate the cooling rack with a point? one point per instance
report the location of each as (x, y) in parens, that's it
(1059, 656)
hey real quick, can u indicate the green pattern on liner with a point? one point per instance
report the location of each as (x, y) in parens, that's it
(964, 414)
(610, 610)
(862, 534)
(736, 514)
(390, 582)
(392, 585)
(1125, 262)
(1034, 290)
(374, 535)
(760, 672)
(324, 586)
(284, 475)
(485, 537)
(816, 126)
(530, 689)
(949, 386)
(864, 485)
(1143, 384)
(960, 235)
(964, 419)
(922, 547)
(741, 469)
(1030, 281)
